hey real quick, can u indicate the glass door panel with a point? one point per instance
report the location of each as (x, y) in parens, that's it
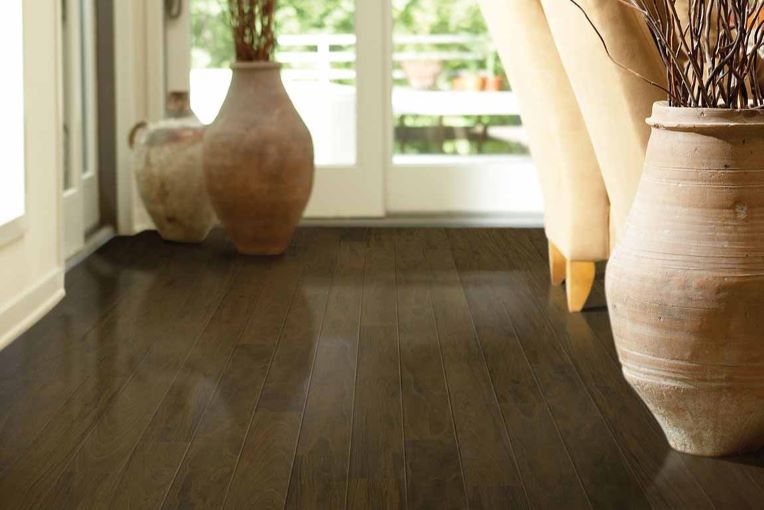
(458, 142)
(450, 94)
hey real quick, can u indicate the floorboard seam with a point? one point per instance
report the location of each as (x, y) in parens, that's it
(265, 380)
(579, 378)
(537, 384)
(448, 393)
(476, 339)
(609, 426)
(400, 374)
(312, 369)
(223, 295)
(355, 376)
(215, 393)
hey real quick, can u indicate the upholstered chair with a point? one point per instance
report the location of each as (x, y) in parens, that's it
(585, 119)
(575, 201)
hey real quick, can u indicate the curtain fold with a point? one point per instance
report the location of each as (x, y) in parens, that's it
(614, 102)
(575, 201)
(585, 116)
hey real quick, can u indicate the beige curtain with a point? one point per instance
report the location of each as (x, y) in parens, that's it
(575, 202)
(611, 103)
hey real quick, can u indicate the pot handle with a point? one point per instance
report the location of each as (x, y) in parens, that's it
(134, 132)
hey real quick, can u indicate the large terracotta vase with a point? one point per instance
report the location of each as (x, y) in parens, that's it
(258, 161)
(685, 286)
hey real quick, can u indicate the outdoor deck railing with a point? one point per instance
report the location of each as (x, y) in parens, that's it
(325, 57)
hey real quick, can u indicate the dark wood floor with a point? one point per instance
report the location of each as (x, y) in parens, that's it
(379, 368)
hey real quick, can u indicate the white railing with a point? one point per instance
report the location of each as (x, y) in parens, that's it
(316, 56)
(313, 68)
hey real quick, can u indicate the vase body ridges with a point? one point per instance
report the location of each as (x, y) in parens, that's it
(258, 160)
(685, 285)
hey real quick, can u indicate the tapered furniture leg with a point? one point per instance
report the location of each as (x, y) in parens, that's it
(579, 277)
(556, 264)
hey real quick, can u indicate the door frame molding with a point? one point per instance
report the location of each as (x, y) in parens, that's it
(139, 70)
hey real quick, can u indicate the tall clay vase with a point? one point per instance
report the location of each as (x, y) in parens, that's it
(685, 286)
(258, 161)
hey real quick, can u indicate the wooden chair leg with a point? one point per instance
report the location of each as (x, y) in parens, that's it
(556, 264)
(578, 286)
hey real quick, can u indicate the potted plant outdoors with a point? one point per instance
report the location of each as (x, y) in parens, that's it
(258, 153)
(493, 81)
(685, 284)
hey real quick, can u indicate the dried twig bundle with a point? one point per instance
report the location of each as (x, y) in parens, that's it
(252, 25)
(710, 48)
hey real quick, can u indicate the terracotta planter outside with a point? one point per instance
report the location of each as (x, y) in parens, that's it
(167, 163)
(258, 161)
(685, 286)
(422, 74)
(493, 83)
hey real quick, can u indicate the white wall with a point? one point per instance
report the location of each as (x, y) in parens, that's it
(31, 265)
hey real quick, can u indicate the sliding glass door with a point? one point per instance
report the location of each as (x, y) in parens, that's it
(407, 102)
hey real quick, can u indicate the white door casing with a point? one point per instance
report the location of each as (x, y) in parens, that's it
(80, 193)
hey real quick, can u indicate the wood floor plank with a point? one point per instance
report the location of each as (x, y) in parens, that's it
(601, 467)
(433, 467)
(545, 465)
(154, 460)
(490, 470)
(43, 367)
(657, 489)
(206, 471)
(100, 365)
(92, 287)
(261, 478)
(366, 368)
(671, 474)
(319, 472)
(89, 474)
(376, 475)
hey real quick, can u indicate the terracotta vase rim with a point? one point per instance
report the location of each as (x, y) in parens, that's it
(255, 66)
(683, 118)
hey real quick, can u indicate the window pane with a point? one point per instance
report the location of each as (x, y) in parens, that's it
(317, 48)
(450, 94)
(12, 106)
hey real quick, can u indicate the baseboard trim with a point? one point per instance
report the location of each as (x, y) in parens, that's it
(30, 307)
(513, 220)
(93, 242)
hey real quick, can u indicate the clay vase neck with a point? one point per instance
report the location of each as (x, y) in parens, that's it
(259, 82)
(178, 105)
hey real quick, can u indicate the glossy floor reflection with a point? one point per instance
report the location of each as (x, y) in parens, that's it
(366, 368)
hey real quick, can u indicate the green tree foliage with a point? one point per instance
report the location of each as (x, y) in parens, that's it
(211, 38)
(425, 17)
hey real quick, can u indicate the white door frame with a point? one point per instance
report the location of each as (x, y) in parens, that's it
(81, 208)
(359, 191)
(71, 63)
(139, 49)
